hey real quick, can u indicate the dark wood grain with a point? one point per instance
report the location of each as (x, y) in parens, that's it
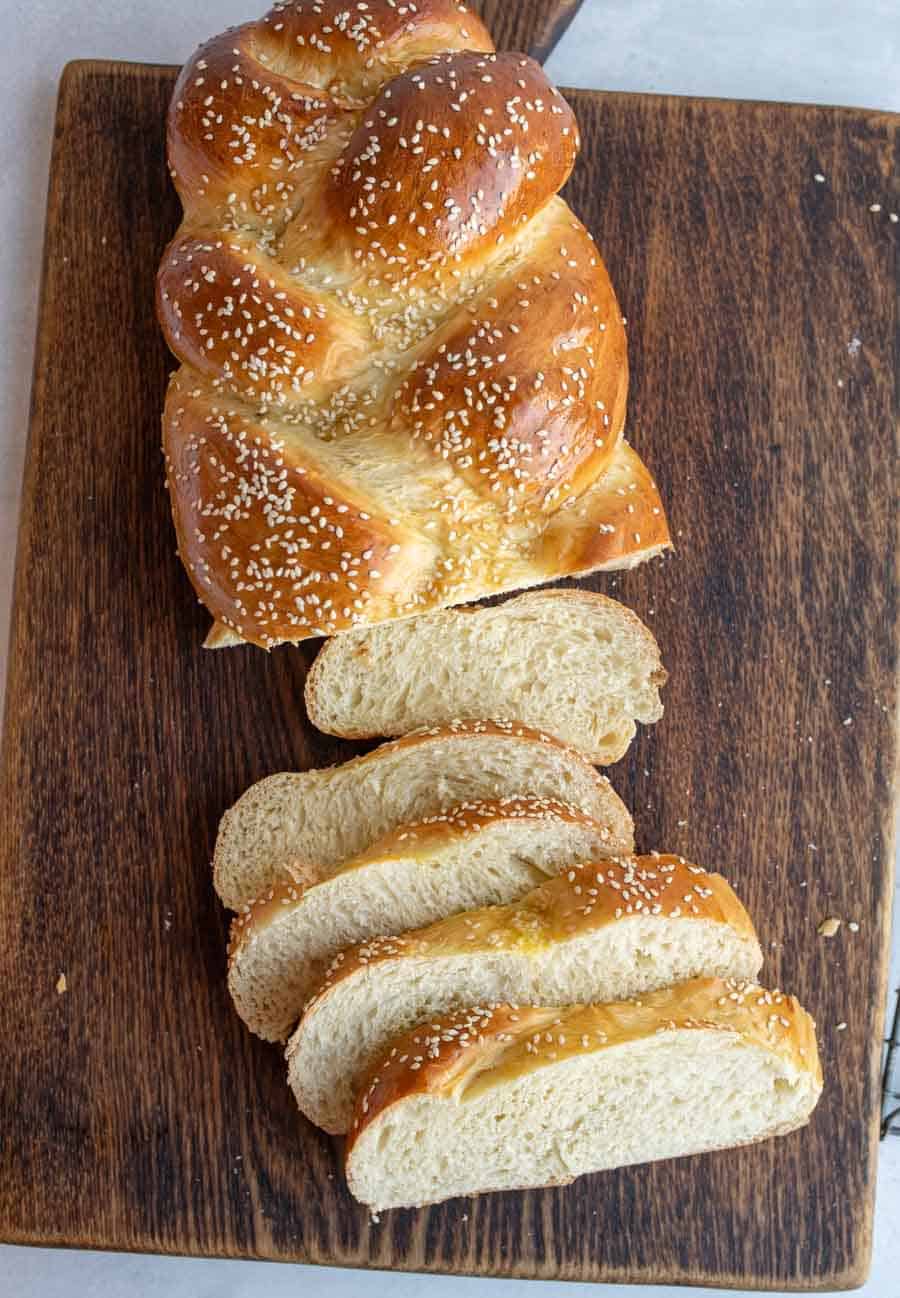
(532, 25)
(135, 1111)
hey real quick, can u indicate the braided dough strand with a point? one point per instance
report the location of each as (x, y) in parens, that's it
(403, 366)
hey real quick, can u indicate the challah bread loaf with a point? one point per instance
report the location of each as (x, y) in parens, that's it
(321, 818)
(472, 855)
(577, 665)
(597, 932)
(404, 372)
(504, 1098)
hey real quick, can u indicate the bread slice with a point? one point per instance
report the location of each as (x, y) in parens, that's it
(503, 1098)
(476, 854)
(598, 932)
(569, 662)
(324, 817)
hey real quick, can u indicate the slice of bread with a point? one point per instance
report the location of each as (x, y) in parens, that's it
(502, 1098)
(321, 818)
(598, 932)
(569, 662)
(476, 854)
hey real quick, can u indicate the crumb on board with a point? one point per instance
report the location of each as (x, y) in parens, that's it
(819, 178)
(829, 926)
(842, 1026)
(847, 721)
(853, 926)
(62, 985)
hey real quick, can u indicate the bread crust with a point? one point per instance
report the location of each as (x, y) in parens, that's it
(580, 903)
(416, 841)
(487, 1046)
(404, 370)
(464, 731)
(583, 899)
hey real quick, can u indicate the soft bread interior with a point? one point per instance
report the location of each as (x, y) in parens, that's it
(577, 665)
(325, 817)
(346, 1029)
(678, 1092)
(273, 974)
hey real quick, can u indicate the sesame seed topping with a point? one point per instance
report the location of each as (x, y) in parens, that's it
(373, 266)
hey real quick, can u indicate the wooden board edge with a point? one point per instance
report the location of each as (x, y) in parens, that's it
(71, 79)
(659, 99)
(555, 31)
(77, 69)
(65, 88)
(854, 1277)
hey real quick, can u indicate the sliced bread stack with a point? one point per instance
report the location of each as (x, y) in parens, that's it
(303, 825)
(483, 984)
(472, 855)
(500, 1098)
(596, 932)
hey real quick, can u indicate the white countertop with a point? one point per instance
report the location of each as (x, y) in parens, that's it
(819, 51)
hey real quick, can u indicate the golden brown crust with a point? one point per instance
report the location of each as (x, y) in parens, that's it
(374, 269)
(551, 425)
(487, 132)
(485, 1046)
(619, 522)
(233, 313)
(459, 731)
(247, 140)
(352, 50)
(583, 899)
(417, 841)
(239, 494)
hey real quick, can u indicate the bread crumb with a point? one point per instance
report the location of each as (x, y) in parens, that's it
(854, 345)
(853, 926)
(847, 721)
(874, 207)
(61, 985)
(829, 926)
(841, 1027)
(819, 178)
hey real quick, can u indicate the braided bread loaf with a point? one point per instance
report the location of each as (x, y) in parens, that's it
(404, 368)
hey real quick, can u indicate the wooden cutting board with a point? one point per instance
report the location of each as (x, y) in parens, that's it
(135, 1111)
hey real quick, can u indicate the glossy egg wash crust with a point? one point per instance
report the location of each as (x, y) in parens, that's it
(403, 366)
